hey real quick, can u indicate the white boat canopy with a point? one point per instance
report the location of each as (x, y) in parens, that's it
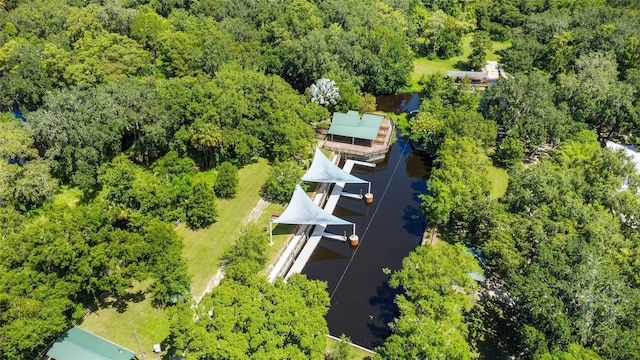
(322, 170)
(302, 210)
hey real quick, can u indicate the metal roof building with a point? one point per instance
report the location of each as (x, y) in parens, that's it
(353, 126)
(78, 344)
(469, 74)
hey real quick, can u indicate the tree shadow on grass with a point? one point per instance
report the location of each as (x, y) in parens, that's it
(120, 303)
(462, 65)
(282, 229)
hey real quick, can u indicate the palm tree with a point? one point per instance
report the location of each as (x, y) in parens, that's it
(206, 137)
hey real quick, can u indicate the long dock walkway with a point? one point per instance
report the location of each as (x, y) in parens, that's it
(293, 259)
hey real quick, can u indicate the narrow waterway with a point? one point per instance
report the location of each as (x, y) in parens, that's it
(362, 303)
(398, 103)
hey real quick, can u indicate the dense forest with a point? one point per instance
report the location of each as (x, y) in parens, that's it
(560, 247)
(129, 101)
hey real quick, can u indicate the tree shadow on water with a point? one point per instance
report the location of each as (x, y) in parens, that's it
(413, 220)
(384, 300)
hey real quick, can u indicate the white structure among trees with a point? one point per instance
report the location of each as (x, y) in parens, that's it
(324, 92)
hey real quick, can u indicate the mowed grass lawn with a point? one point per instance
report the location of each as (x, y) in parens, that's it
(202, 252)
(424, 67)
(150, 323)
(281, 233)
(203, 248)
(499, 181)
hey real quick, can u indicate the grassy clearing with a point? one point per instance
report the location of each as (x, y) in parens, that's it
(151, 324)
(424, 67)
(497, 46)
(499, 180)
(68, 196)
(203, 248)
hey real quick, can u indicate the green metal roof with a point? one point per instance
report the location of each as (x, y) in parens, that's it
(78, 344)
(351, 125)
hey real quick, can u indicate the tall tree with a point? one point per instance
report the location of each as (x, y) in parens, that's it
(457, 188)
(595, 96)
(480, 44)
(201, 208)
(523, 108)
(226, 184)
(25, 179)
(281, 182)
(437, 290)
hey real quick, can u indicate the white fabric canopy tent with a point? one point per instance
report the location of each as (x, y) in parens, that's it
(302, 210)
(324, 171)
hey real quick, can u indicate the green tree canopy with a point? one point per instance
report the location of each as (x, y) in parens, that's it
(201, 208)
(282, 181)
(437, 290)
(226, 184)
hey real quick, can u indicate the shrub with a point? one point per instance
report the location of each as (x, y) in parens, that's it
(226, 184)
(201, 209)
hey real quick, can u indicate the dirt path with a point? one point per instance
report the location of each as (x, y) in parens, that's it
(217, 277)
(257, 211)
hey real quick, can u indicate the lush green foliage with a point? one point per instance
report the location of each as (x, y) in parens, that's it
(246, 257)
(437, 290)
(524, 109)
(559, 246)
(448, 112)
(25, 179)
(479, 46)
(282, 181)
(54, 267)
(568, 232)
(248, 318)
(201, 208)
(226, 184)
(127, 101)
(588, 48)
(459, 189)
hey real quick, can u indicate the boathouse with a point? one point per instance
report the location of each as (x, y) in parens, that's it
(365, 137)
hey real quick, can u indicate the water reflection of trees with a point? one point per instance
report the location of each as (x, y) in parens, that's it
(384, 301)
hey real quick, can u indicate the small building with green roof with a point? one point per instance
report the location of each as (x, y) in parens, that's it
(78, 344)
(365, 137)
(352, 126)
